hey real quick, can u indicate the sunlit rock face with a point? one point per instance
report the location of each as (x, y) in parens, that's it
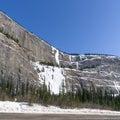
(26, 58)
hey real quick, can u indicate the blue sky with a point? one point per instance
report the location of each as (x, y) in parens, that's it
(73, 26)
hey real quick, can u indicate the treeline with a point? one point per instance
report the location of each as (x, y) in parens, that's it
(9, 36)
(22, 92)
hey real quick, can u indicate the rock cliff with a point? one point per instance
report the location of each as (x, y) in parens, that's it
(27, 58)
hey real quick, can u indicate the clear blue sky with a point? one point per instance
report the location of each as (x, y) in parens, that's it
(74, 26)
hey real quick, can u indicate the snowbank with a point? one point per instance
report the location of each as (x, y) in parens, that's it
(22, 107)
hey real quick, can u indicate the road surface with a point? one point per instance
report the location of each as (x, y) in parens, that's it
(56, 117)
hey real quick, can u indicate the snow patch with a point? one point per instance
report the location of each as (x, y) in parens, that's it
(56, 52)
(77, 65)
(111, 57)
(83, 57)
(52, 76)
(23, 107)
(117, 87)
(70, 58)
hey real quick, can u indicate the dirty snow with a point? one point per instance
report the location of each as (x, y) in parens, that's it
(23, 107)
(52, 76)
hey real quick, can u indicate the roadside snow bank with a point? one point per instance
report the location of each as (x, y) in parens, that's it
(22, 107)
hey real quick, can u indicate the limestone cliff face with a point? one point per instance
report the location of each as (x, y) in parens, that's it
(35, 48)
(20, 50)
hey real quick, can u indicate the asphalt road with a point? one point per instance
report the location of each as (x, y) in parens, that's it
(56, 117)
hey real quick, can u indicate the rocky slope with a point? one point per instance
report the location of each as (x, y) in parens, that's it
(25, 57)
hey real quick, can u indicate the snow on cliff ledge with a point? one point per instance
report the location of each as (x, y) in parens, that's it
(52, 76)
